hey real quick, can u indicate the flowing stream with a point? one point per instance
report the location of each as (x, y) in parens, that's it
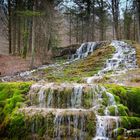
(123, 59)
(73, 104)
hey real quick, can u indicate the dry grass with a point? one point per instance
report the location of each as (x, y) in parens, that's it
(82, 68)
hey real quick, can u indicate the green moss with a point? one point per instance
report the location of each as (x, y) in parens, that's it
(123, 110)
(120, 137)
(77, 70)
(120, 131)
(12, 97)
(130, 122)
(16, 126)
(128, 96)
(111, 110)
(120, 109)
(90, 124)
(101, 110)
(87, 98)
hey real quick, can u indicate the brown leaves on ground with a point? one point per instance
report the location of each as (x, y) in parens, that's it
(10, 65)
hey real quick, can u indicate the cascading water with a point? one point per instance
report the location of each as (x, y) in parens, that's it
(72, 114)
(123, 59)
(76, 96)
(104, 123)
(73, 105)
(78, 123)
(84, 50)
(42, 97)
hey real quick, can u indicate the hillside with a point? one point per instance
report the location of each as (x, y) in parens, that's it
(94, 95)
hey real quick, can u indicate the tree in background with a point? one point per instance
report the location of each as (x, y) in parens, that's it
(136, 4)
(115, 13)
(33, 25)
(102, 15)
(31, 28)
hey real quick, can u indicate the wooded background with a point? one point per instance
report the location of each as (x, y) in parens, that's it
(35, 28)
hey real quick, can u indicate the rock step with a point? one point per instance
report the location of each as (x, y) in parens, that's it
(44, 111)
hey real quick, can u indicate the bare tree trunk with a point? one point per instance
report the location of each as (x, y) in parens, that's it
(19, 35)
(77, 23)
(138, 11)
(113, 32)
(14, 34)
(115, 12)
(33, 40)
(93, 22)
(134, 29)
(9, 26)
(70, 36)
(82, 36)
(25, 36)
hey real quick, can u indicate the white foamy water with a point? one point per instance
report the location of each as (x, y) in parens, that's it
(84, 50)
(73, 112)
(123, 59)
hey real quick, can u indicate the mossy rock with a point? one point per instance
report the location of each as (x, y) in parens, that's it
(133, 133)
(128, 96)
(119, 110)
(12, 97)
(130, 122)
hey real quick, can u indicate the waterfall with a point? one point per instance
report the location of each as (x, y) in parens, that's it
(104, 123)
(75, 108)
(104, 127)
(76, 96)
(123, 59)
(42, 97)
(73, 116)
(50, 98)
(84, 50)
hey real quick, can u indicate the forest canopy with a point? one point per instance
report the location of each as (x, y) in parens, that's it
(35, 28)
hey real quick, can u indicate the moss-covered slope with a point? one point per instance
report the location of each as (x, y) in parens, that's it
(12, 97)
(129, 97)
(77, 70)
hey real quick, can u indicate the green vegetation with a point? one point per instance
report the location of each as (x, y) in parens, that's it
(77, 70)
(128, 96)
(12, 97)
(128, 101)
(121, 110)
(130, 122)
(42, 125)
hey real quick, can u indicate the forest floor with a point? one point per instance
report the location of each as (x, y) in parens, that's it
(12, 65)
(9, 64)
